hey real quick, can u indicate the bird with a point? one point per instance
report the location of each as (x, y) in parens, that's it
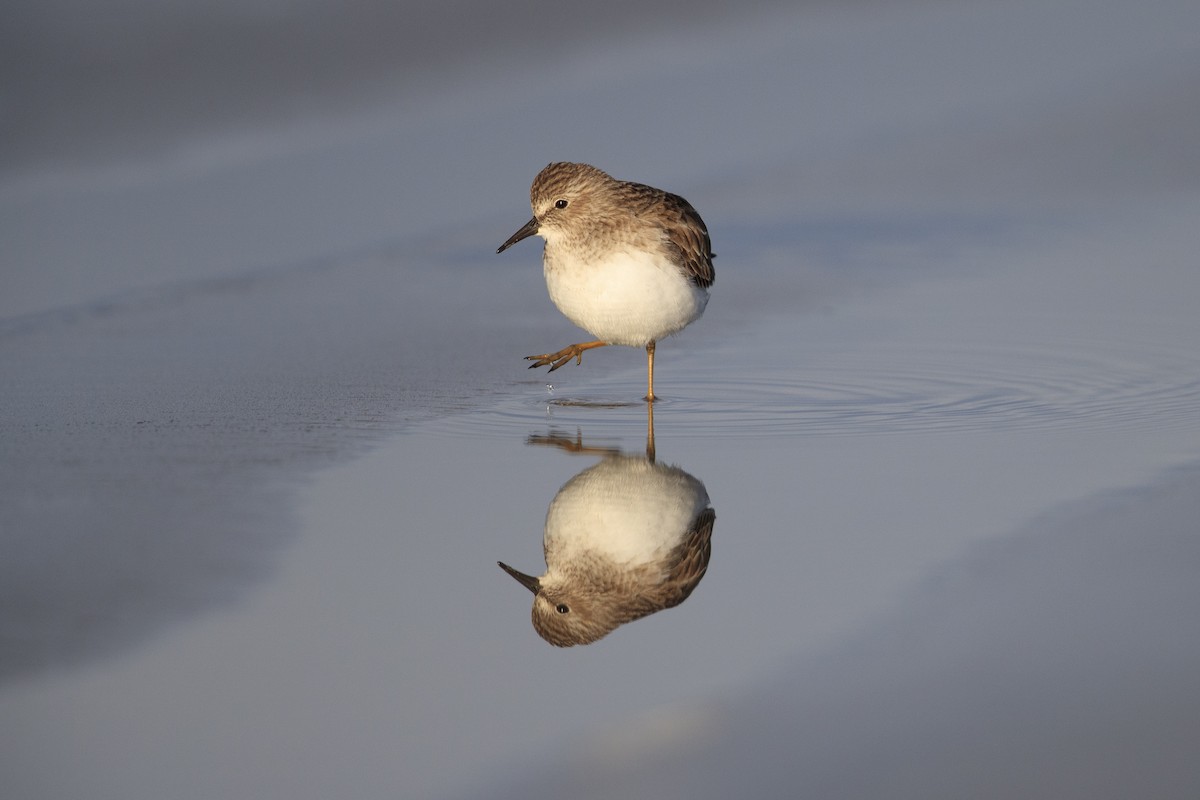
(628, 263)
(624, 538)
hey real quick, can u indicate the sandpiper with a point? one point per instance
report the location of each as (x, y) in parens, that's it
(626, 262)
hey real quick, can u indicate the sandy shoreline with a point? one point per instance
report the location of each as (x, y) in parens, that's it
(152, 442)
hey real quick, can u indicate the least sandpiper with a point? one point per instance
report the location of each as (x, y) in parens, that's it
(626, 262)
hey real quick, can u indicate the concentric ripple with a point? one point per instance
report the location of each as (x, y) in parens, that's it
(897, 388)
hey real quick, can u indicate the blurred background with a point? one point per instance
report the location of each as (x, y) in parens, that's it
(150, 142)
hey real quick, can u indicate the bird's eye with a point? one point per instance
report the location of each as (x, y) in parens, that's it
(561, 608)
(560, 204)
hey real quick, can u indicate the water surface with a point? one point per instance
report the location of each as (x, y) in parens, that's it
(267, 430)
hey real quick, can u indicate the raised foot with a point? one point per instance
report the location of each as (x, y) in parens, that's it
(556, 360)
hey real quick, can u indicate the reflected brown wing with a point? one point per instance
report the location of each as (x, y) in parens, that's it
(690, 559)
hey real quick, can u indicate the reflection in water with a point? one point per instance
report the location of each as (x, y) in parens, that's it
(624, 538)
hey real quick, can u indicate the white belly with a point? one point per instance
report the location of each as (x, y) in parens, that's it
(628, 298)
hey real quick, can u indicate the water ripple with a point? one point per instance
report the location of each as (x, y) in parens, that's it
(895, 389)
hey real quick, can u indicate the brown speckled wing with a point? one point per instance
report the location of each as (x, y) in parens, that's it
(688, 233)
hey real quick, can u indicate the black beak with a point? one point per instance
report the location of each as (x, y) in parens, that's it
(528, 581)
(527, 230)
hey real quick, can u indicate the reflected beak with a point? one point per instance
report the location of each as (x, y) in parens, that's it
(528, 581)
(527, 230)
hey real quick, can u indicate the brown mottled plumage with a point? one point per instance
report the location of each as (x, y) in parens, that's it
(626, 262)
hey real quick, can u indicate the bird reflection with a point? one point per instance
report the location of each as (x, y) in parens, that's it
(623, 539)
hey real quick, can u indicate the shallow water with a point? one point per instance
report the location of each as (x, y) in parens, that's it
(267, 429)
(854, 460)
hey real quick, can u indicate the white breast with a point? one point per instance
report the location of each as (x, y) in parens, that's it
(628, 297)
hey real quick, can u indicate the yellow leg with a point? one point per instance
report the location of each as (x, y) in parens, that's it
(556, 360)
(650, 431)
(649, 398)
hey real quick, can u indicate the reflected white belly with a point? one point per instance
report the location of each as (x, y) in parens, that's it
(626, 509)
(629, 298)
